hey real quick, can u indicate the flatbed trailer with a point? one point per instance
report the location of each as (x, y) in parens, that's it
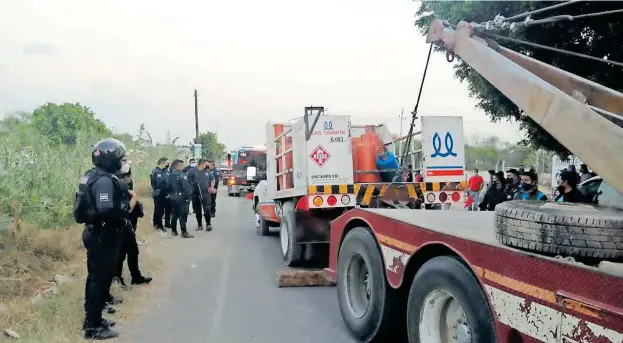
(504, 276)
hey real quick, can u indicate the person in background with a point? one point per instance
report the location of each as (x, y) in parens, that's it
(128, 245)
(180, 196)
(521, 169)
(571, 168)
(529, 189)
(167, 200)
(584, 173)
(192, 163)
(475, 183)
(513, 183)
(386, 160)
(418, 176)
(495, 193)
(567, 188)
(205, 187)
(410, 175)
(216, 175)
(159, 186)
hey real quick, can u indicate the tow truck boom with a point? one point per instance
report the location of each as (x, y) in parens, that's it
(560, 102)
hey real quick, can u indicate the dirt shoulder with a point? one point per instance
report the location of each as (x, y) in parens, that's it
(42, 275)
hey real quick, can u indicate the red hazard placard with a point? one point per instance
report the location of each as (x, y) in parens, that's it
(320, 156)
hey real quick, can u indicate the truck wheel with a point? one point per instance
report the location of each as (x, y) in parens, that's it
(367, 303)
(292, 252)
(576, 230)
(261, 224)
(446, 304)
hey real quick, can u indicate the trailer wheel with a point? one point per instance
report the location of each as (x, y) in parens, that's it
(576, 230)
(367, 303)
(446, 304)
(292, 252)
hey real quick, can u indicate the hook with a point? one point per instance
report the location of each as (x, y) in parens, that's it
(449, 56)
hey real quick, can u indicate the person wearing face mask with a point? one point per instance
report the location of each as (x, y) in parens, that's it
(529, 189)
(160, 190)
(495, 194)
(168, 206)
(192, 163)
(567, 188)
(189, 170)
(512, 183)
(584, 173)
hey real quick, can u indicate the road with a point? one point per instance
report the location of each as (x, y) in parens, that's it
(222, 289)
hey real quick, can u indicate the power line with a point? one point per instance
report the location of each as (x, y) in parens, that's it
(540, 10)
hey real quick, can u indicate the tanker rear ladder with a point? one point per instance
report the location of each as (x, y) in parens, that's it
(567, 106)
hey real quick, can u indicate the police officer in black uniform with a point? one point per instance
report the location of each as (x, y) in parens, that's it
(204, 187)
(167, 200)
(101, 234)
(188, 170)
(217, 176)
(159, 186)
(180, 196)
(128, 244)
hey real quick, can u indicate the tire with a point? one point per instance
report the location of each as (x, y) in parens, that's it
(381, 319)
(291, 251)
(262, 229)
(442, 277)
(230, 194)
(576, 230)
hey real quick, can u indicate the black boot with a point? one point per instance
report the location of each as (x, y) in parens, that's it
(143, 280)
(209, 227)
(113, 300)
(185, 234)
(101, 333)
(108, 323)
(109, 309)
(174, 233)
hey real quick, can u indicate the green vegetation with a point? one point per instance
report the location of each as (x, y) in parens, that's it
(589, 36)
(212, 149)
(44, 153)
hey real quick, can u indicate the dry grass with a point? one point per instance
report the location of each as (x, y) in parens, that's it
(30, 257)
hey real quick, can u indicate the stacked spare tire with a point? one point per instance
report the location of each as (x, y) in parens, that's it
(582, 231)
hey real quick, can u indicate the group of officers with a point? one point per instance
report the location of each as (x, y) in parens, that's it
(107, 204)
(175, 186)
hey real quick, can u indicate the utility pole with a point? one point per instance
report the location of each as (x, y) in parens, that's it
(198, 148)
(196, 118)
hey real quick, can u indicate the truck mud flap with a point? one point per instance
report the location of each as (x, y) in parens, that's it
(311, 228)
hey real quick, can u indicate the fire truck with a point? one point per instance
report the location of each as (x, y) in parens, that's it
(531, 271)
(323, 166)
(248, 168)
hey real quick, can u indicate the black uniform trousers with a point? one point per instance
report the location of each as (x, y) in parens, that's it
(168, 208)
(179, 212)
(213, 204)
(203, 208)
(129, 247)
(102, 255)
(159, 208)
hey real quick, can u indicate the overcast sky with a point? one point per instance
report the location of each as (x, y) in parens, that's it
(139, 61)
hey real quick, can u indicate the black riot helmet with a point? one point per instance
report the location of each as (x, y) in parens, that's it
(107, 154)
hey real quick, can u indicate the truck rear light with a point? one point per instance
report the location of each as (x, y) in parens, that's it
(303, 204)
(430, 197)
(443, 196)
(331, 200)
(345, 199)
(317, 201)
(456, 196)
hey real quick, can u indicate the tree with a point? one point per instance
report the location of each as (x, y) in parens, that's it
(62, 123)
(212, 149)
(594, 37)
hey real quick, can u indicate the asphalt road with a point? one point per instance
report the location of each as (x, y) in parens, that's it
(222, 289)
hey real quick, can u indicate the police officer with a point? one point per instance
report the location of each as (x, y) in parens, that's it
(217, 176)
(159, 186)
(101, 233)
(204, 188)
(128, 244)
(167, 200)
(188, 170)
(180, 196)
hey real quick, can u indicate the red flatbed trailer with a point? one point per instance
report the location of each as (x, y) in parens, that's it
(468, 277)
(529, 297)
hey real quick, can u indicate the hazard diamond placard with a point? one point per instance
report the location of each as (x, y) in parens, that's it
(320, 156)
